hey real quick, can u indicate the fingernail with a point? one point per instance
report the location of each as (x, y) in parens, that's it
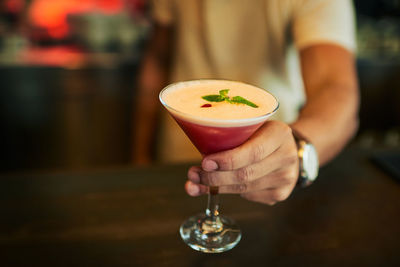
(194, 176)
(209, 165)
(193, 190)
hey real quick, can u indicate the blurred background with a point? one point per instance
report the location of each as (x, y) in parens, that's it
(68, 71)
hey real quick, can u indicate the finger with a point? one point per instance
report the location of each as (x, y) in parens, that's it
(194, 174)
(265, 141)
(241, 176)
(269, 196)
(195, 190)
(279, 159)
(276, 179)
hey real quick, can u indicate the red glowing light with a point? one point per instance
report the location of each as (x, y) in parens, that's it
(110, 6)
(52, 15)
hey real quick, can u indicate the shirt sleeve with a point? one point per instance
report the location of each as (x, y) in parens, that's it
(324, 21)
(162, 11)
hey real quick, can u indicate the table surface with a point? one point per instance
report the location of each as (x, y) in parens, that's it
(130, 217)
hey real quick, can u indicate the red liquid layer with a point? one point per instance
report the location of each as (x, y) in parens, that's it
(208, 139)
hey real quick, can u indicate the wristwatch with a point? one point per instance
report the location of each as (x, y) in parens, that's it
(308, 160)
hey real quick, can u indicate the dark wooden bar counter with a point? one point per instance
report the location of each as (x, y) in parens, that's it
(131, 217)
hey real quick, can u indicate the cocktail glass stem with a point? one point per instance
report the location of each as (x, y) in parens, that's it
(212, 222)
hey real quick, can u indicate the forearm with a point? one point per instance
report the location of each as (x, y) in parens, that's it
(330, 116)
(329, 120)
(152, 77)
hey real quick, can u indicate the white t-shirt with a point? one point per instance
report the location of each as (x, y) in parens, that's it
(252, 41)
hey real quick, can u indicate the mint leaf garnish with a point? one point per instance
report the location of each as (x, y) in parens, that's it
(224, 93)
(213, 98)
(223, 96)
(241, 100)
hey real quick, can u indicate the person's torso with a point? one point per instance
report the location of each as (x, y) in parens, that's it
(236, 40)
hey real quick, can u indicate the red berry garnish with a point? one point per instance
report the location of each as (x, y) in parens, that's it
(206, 106)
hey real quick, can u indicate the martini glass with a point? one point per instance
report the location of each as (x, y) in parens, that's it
(211, 232)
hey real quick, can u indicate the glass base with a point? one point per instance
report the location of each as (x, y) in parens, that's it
(202, 234)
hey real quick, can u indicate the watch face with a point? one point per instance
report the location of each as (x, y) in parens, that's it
(310, 162)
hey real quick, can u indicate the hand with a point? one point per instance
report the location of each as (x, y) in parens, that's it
(264, 169)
